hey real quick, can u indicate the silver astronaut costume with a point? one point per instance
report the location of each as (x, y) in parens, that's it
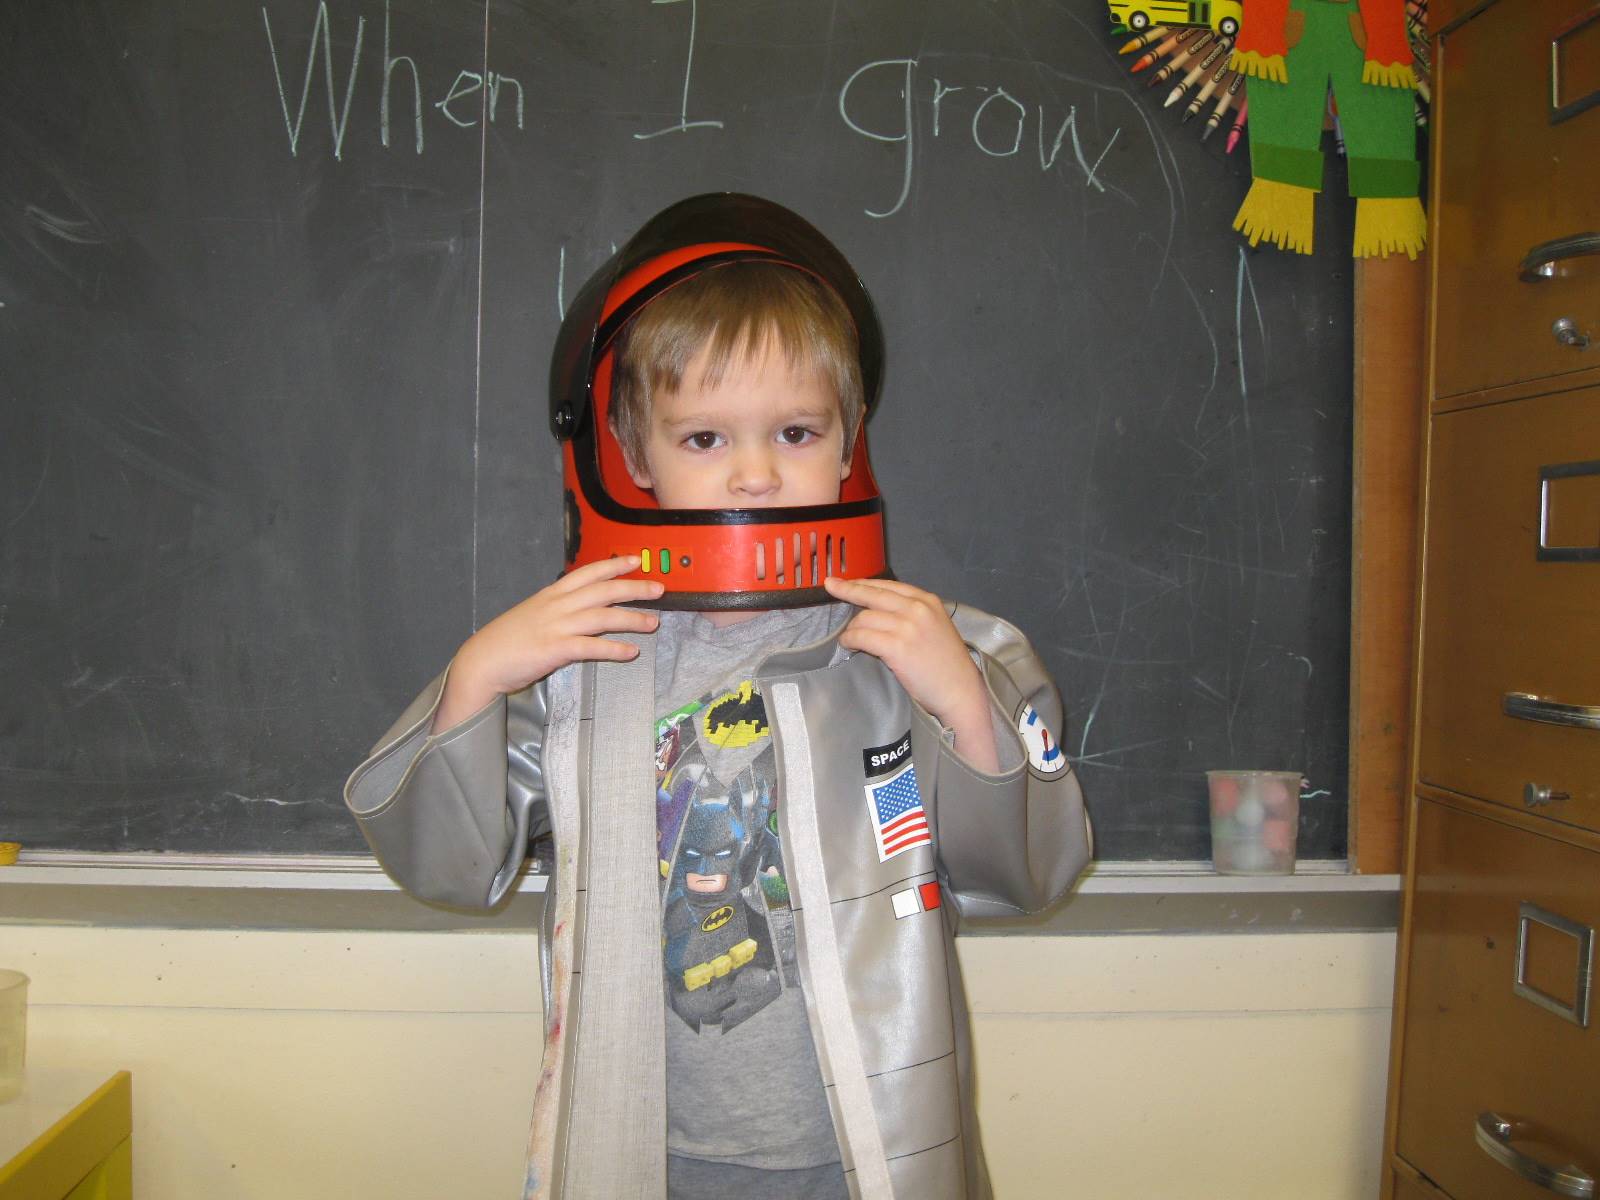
(451, 814)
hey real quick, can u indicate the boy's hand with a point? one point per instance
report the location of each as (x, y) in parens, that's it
(910, 631)
(555, 626)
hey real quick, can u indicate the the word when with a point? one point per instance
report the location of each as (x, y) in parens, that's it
(997, 127)
(454, 106)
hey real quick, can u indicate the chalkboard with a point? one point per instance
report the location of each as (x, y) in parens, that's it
(280, 282)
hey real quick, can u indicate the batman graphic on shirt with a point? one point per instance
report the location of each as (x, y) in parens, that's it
(728, 941)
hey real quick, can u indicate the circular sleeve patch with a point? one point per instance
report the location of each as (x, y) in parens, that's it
(1044, 752)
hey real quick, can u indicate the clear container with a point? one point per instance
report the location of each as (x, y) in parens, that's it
(1255, 817)
(13, 1032)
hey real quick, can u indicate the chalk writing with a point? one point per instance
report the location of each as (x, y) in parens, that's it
(337, 121)
(684, 124)
(454, 105)
(997, 127)
(1243, 281)
(561, 286)
(389, 63)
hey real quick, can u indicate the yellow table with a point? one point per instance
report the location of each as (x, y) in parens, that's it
(69, 1136)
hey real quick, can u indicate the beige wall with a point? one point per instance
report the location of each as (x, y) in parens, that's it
(301, 1065)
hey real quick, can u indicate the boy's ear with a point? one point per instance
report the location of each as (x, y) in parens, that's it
(844, 470)
(639, 474)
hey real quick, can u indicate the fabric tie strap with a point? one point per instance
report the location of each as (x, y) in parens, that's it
(616, 1141)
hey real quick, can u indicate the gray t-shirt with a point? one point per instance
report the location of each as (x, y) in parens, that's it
(743, 1085)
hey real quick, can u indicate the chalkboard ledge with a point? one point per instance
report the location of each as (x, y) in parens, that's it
(280, 892)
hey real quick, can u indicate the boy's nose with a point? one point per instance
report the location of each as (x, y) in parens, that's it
(754, 475)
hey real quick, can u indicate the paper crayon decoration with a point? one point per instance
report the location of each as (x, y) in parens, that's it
(1421, 53)
(1210, 66)
(1203, 92)
(1168, 46)
(1148, 38)
(1233, 91)
(1292, 50)
(1238, 125)
(1182, 60)
(1195, 59)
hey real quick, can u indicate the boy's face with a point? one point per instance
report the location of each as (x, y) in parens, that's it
(764, 437)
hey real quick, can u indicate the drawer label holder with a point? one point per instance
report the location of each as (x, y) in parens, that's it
(1548, 476)
(1578, 1011)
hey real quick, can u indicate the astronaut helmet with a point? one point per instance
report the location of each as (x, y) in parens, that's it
(707, 559)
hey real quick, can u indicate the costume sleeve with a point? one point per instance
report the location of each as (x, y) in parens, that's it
(450, 815)
(1013, 841)
(1263, 41)
(1388, 61)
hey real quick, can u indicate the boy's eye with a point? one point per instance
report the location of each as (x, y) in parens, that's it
(704, 440)
(796, 435)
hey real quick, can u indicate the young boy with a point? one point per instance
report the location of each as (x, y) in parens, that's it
(750, 990)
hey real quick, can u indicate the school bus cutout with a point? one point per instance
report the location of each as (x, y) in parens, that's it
(1225, 16)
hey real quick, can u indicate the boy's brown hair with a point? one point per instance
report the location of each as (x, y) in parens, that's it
(733, 309)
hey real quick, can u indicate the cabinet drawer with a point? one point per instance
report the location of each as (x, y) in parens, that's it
(1504, 615)
(1508, 180)
(1403, 1187)
(1473, 1044)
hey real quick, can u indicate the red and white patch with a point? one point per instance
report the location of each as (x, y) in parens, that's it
(922, 898)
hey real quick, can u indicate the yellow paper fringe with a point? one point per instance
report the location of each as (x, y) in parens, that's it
(1389, 225)
(1280, 213)
(1395, 75)
(1262, 66)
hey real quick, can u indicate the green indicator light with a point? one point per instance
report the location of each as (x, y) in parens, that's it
(666, 561)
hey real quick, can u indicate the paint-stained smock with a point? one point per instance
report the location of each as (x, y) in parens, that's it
(450, 816)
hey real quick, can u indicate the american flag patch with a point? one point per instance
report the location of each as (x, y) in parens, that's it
(899, 822)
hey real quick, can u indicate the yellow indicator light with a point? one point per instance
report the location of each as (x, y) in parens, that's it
(644, 561)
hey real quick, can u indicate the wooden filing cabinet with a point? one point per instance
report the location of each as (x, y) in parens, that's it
(1495, 1066)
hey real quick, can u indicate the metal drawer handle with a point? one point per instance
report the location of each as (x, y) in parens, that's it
(1526, 707)
(1494, 1134)
(1540, 263)
(1565, 330)
(1535, 794)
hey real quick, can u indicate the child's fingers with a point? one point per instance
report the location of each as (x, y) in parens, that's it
(595, 572)
(909, 590)
(613, 620)
(887, 595)
(873, 641)
(865, 594)
(874, 621)
(607, 592)
(598, 649)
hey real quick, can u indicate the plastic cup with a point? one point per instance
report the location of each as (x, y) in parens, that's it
(13, 1032)
(1255, 816)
